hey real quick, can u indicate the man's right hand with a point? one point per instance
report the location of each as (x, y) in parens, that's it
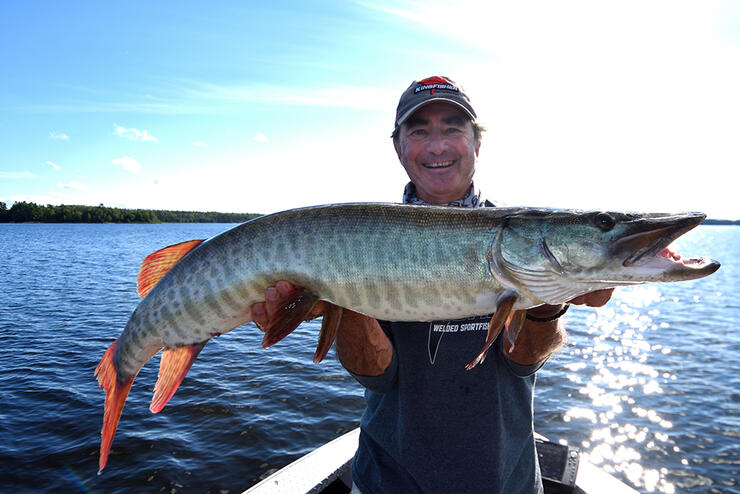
(361, 345)
(275, 297)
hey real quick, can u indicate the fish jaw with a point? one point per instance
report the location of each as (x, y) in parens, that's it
(646, 253)
(556, 255)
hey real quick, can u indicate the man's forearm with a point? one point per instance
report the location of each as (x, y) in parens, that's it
(362, 346)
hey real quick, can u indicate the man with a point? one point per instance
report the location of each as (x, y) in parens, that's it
(430, 425)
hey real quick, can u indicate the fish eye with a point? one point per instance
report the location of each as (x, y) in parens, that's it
(604, 221)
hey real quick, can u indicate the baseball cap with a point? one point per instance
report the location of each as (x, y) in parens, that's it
(436, 88)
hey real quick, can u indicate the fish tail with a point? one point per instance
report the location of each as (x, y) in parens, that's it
(115, 397)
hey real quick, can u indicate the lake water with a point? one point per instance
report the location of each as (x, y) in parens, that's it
(647, 387)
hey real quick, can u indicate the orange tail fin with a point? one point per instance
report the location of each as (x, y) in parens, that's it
(175, 363)
(115, 397)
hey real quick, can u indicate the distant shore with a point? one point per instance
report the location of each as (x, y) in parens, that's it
(29, 212)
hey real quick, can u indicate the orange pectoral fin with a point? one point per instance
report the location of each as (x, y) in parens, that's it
(173, 367)
(115, 397)
(329, 326)
(503, 307)
(155, 266)
(290, 316)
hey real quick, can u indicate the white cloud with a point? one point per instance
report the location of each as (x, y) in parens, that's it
(72, 185)
(622, 121)
(199, 144)
(133, 134)
(53, 165)
(128, 163)
(58, 135)
(260, 137)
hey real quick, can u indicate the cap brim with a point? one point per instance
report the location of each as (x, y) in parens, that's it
(410, 112)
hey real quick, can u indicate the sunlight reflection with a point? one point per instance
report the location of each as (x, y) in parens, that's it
(614, 374)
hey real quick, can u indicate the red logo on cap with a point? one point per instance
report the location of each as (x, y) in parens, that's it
(434, 83)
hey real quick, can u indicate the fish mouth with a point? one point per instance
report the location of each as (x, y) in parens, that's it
(439, 164)
(648, 246)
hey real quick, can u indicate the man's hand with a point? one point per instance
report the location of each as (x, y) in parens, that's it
(362, 346)
(275, 297)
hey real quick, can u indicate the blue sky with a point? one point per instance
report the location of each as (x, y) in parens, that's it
(264, 106)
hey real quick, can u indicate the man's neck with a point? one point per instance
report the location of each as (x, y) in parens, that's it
(471, 199)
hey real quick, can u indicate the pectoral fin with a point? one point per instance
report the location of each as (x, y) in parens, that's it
(514, 327)
(175, 363)
(296, 310)
(329, 326)
(504, 305)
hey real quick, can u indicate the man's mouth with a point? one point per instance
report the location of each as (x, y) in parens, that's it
(439, 164)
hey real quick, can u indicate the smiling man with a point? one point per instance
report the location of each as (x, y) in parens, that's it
(437, 141)
(430, 425)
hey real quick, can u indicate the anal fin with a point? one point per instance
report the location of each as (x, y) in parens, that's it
(296, 310)
(504, 305)
(329, 326)
(115, 397)
(173, 367)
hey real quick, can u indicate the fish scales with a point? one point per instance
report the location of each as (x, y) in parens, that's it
(367, 257)
(351, 258)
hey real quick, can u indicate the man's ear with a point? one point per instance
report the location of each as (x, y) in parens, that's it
(397, 146)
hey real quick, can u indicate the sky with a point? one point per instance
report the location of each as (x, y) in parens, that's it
(242, 106)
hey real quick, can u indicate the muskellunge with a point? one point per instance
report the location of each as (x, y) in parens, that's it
(391, 262)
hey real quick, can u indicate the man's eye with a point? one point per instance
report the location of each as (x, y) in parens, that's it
(418, 132)
(453, 130)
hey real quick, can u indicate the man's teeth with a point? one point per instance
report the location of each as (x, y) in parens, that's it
(441, 164)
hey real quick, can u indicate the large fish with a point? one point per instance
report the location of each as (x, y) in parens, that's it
(391, 262)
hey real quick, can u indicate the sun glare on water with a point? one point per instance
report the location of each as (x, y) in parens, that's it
(622, 371)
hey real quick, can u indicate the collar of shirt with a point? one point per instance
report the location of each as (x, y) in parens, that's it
(473, 199)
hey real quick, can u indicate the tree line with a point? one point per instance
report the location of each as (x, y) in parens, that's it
(23, 211)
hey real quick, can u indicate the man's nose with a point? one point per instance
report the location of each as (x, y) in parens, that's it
(436, 143)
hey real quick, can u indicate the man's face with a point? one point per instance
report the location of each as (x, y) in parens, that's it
(437, 149)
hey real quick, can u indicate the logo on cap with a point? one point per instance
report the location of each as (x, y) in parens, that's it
(434, 83)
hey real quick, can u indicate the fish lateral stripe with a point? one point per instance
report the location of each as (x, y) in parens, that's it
(156, 265)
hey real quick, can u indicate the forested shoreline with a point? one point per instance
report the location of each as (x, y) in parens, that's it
(29, 212)
(25, 212)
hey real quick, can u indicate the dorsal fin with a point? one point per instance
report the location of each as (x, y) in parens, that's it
(156, 265)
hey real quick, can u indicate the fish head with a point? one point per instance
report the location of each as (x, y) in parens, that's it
(559, 254)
